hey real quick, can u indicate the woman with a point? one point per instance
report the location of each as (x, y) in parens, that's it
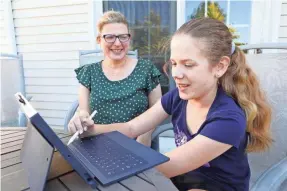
(218, 111)
(119, 88)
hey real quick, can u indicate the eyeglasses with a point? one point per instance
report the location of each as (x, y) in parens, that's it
(111, 38)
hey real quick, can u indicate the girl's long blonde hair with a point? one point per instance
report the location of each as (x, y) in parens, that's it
(239, 81)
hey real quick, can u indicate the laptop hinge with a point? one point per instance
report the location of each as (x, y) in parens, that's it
(90, 179)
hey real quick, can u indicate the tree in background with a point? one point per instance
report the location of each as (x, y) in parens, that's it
(150, 38)
(151, 35)
(214, 11)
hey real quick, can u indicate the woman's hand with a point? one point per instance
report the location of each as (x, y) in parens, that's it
(80, 122)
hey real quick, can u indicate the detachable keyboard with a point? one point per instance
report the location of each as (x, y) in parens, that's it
(109, 157)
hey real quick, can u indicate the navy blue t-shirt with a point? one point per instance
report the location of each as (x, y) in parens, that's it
(225, 123)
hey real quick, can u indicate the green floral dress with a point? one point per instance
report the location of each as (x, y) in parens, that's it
(118, 101)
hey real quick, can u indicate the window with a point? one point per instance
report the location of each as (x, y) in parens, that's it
(241, 22)
(229, 11)
(151, 24)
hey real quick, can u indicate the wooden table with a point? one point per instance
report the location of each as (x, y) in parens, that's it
(62, 177)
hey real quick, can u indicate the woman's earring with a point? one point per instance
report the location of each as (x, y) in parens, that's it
(217, 75)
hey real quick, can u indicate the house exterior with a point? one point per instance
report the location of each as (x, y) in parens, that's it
(282, 34)
(49, 35)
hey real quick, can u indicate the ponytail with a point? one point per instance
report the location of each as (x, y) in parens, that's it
(242, 84)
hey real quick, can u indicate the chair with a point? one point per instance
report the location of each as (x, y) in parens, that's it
(88, 57)
(12, 81)
(271, 69)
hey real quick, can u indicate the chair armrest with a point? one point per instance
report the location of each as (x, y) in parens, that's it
(22, 119)
(155, 135)
(272, 178)
(160, 129)
(70, 114)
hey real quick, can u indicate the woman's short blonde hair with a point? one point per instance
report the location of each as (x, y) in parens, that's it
(111, 17)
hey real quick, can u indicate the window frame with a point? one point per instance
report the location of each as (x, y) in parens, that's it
(258, 8)
(182, 14)
(257, 34)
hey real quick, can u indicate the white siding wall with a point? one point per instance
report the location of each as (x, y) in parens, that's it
(3, 36)
(283, 22)
(49, 34)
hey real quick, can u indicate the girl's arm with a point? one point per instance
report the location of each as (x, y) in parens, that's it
(137, 126)
(192, 155)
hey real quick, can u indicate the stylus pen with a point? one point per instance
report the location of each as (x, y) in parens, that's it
(78, 132)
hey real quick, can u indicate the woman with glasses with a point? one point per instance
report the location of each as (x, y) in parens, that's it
(118, 87)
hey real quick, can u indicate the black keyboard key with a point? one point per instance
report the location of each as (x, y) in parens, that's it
(109, 157)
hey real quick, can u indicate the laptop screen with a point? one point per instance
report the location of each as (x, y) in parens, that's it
(50, 136)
